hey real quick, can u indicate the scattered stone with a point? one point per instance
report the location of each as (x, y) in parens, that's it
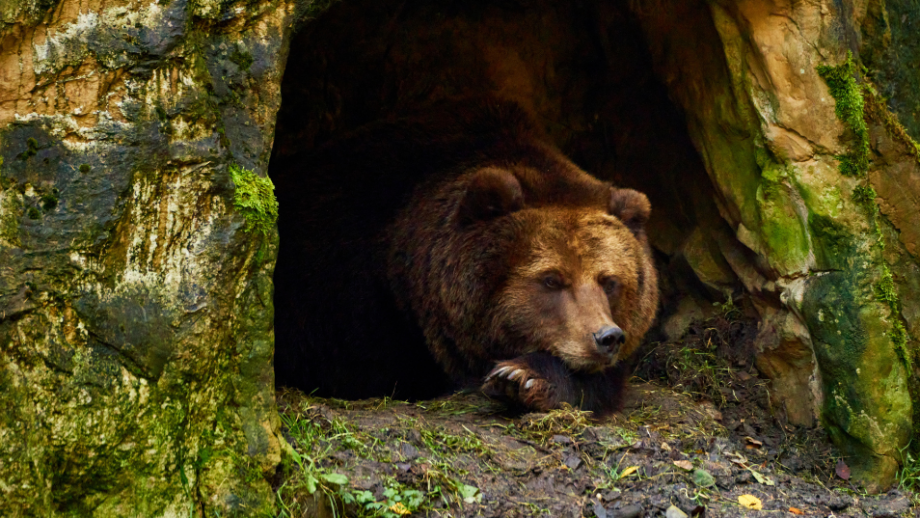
(408, 451)
(674, 512)
(599, 510)
(748, 429)
(886, 507)
(628, 511)
(414, 436)
(572, 461)
(835, 502)
(561, 439)
(744, 477)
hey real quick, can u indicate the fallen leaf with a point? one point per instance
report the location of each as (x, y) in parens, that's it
(684, 464)
(750, 502)
(842, 470)
(703, 478)
(470, 494)
(763, 479)
(400, 509)
(753, 441)
(629, 471)
(335, 478)
(795, 510)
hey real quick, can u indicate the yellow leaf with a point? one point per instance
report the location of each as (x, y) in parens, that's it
(629, 471)
(684, 464)
(399, 509)
(750, 501)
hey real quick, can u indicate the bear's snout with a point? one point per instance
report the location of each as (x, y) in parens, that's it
(609, 339)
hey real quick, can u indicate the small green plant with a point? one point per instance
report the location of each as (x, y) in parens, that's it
(728, 309)
(85, 168)
(398, 501)
(614, 474)
(850, 109)
(255, 199)
(909, 474)
(34, 213)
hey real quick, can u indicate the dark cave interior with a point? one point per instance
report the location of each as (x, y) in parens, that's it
(583, 68)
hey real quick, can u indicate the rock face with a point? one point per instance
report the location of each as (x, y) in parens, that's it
(136, 227)
(801, 170)
(135, 295)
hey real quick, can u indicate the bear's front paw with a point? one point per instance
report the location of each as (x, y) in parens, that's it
(516, 383)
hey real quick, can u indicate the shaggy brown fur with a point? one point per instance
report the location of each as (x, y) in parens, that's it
(464, 233)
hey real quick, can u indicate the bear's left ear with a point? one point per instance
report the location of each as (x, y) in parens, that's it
(631, 207)
(490, 193)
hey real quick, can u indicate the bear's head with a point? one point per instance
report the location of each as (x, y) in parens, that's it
(578, 279)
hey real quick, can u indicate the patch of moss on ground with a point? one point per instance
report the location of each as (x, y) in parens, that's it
(255, 199)
(850, 109)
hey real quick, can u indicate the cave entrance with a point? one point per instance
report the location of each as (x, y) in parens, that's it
(583, 68)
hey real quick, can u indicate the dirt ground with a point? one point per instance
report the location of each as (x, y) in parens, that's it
(699, 441)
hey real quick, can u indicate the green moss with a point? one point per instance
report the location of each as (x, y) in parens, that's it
(255, 199)
(49, 202)
(33, 213)
(887, 293)
(781, 229)
(865, 196)
(241, 57)
(10, 212)
(877, 109)
(850, 109)
(31, 149)
(85, 168)
(833, 243)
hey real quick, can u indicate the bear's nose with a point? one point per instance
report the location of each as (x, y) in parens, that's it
(609, 339)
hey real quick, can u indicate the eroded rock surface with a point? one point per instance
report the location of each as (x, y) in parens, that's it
(135, 308)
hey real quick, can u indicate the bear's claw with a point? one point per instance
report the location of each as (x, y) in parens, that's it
(519, 385)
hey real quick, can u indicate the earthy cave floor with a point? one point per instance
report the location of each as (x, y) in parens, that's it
(464, 455)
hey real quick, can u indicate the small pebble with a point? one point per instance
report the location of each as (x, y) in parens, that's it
(628, 511)
(674, 512)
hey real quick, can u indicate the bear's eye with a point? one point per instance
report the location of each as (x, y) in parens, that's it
(553, 281)
(611, 287)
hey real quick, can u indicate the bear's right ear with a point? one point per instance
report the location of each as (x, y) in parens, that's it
(490, 193)
(631, 207)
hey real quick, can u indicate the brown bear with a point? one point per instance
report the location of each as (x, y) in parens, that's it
(459, 242)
